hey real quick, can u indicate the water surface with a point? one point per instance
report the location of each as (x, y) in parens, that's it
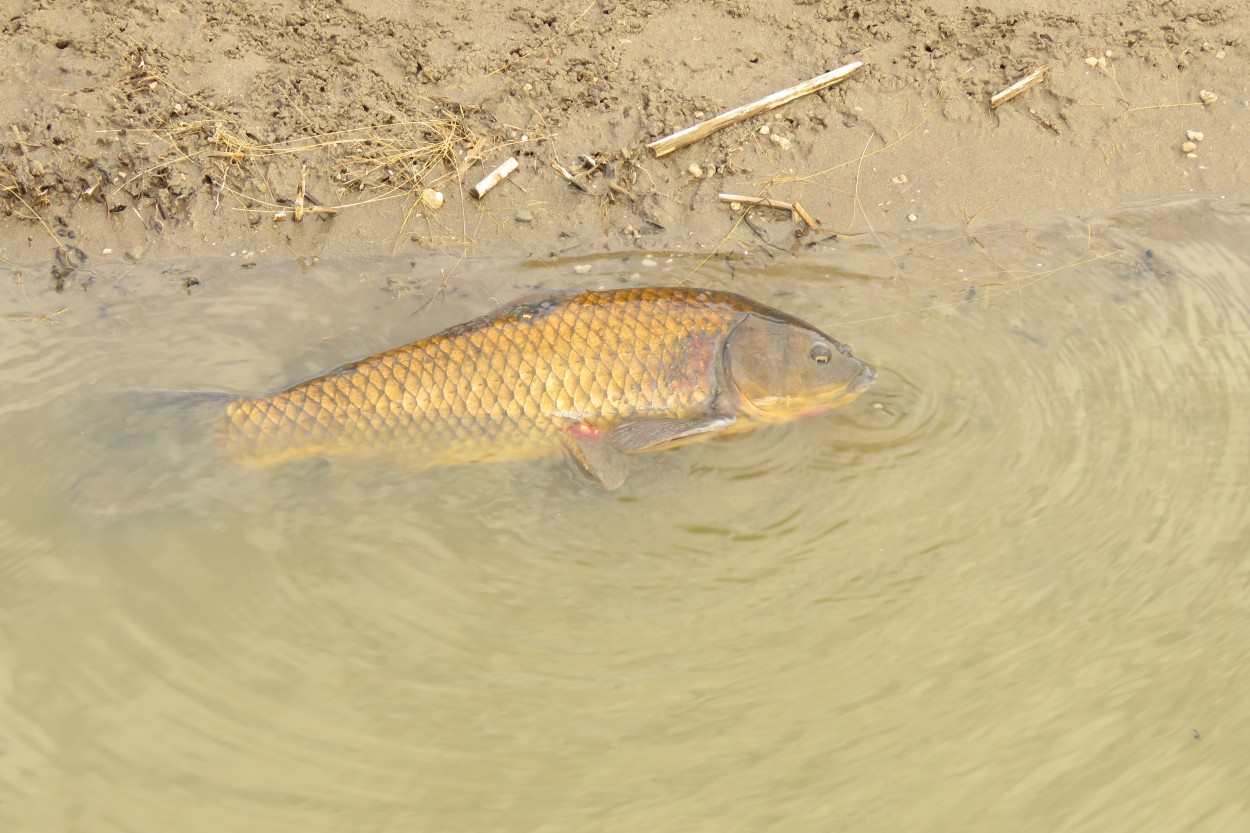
(1006, 589)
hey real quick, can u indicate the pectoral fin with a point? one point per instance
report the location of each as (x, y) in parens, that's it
(594, 452)
(651, 433)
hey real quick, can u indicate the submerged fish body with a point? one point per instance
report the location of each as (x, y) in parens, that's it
(599, 373)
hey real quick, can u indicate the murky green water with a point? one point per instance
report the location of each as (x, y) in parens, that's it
(1007, 589)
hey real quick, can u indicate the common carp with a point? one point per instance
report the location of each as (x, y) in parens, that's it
(601, 374)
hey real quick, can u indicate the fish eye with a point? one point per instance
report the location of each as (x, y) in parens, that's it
(820, 353)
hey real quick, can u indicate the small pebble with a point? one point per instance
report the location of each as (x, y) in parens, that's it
(1091, 61)
(1192, 155)
(1220, 54)
(527, 87)
(912, 217)
(1189, 147)
(527, 216)
(695, 169)
(582, 268)
(134, 254)
(1208, 97)
(901, 179)
(780, 141)
(432, 199)
(1102, 62)
(735, 206)
(1193, 135)
(649, 263)
(764, 130)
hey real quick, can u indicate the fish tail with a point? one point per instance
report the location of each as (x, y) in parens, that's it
(154, 447)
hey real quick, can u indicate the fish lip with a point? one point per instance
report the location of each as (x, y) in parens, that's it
(784, 413)
(863, 380)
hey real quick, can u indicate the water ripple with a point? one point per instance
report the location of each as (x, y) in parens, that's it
(1024, 547)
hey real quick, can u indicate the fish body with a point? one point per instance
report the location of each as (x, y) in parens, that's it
(598, 373)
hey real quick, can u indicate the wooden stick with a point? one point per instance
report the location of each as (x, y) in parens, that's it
(704, 129)
(1019, 87)
(797, 212)
(495, 177)
(299, 193)
(760, 201)
(281, 216)
(811, 221)
(572, 180)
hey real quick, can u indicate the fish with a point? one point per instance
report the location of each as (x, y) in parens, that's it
(600, 375)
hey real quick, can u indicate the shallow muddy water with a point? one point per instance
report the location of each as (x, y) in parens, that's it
(1006, 589)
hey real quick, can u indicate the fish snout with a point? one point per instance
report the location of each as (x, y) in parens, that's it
(863, 379)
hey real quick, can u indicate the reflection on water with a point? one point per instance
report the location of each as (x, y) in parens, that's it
(1006, 589)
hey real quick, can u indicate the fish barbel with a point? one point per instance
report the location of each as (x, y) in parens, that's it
(601, 374)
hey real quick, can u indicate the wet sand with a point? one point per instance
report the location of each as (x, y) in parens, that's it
(150, 131)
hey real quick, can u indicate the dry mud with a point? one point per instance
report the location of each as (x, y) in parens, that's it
(150, 130)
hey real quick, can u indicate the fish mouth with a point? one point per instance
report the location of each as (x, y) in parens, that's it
(854, 388)
(788, 409)
(862, 381)
(783, 409)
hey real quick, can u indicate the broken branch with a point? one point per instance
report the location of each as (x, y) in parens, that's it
(797, 212)
(1020, 86)
(704, 129)
(760, 201)
(572, 180)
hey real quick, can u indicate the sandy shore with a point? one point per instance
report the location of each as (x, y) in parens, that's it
(150, 130)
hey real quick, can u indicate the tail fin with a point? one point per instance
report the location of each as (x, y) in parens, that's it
(156, 448)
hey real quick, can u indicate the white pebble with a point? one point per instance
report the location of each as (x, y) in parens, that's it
(1193, 135)
(1189, 147)
(582, 268)
(1091, 61)
(1208, 97)
(735, 206)
(432, 199)
(695, 169)
(912, 217)
(780, 141)
(649, 263)
(764, 130)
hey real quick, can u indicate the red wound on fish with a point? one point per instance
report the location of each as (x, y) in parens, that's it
(584, 430)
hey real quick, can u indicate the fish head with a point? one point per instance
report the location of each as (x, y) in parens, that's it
(783, 368)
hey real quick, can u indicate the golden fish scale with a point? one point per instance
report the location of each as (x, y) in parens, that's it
(502, 385)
